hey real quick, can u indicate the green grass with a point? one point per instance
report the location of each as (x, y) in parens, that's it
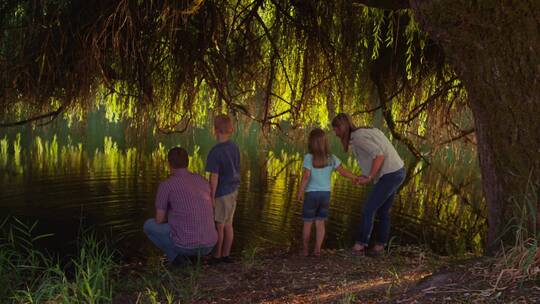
(249, 256)
(94, 268)
(520, 262)
(347, 299)
(160, 283)
(29, 276)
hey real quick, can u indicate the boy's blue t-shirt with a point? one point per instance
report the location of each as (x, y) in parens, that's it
(224, 159)
(319, 180)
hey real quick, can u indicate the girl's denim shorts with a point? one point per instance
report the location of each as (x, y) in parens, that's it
(316, 205)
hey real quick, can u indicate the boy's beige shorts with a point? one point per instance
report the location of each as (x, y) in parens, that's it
(224, 208)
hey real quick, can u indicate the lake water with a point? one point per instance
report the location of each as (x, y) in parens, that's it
(103, 175)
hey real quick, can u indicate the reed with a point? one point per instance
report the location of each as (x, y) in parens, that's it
(521, 262)
(30, 276)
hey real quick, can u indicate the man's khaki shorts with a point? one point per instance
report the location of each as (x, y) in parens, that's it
(224, 208)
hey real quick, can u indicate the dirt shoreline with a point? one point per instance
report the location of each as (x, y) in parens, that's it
(406, 275)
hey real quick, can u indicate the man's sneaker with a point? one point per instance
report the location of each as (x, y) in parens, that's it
(194, 260)
(181, 261)
(227, 259)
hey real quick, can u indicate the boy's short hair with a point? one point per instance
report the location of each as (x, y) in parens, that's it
(223, 124)
(178, 158)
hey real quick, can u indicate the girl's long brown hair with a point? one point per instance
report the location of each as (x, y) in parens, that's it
(319, 148)
(344, 123)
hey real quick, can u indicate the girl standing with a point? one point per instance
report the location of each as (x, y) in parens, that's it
(317, 171)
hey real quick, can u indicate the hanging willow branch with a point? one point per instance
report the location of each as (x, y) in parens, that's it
(387, 114)
(152, 54)
(442, 91)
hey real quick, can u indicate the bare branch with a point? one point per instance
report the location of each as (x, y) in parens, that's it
(174, 130)
(366, 111)
(463, 134)
(51, 115)
(384, 4)
(279, 114)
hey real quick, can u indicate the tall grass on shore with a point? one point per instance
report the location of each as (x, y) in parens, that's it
(30, 276)
(516, 266)
(521, 263)
(159, 282)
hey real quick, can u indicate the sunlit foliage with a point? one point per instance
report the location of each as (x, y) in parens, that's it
(171, 63)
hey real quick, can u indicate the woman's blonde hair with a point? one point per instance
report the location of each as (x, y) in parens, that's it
(318, 147)
(344, 123)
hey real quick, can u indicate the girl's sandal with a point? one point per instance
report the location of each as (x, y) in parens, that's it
(317, 254)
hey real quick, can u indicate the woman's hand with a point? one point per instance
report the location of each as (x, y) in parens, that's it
(362, 180)
(299, 195)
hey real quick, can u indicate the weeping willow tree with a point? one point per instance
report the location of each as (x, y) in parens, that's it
(276, 62)
(494, 47)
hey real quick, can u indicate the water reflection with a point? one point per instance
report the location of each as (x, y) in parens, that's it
(51, 176)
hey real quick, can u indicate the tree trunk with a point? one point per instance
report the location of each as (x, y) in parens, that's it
(494, 47)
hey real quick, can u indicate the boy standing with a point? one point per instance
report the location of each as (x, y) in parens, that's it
(223, 163)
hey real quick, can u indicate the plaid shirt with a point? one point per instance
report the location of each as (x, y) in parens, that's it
(185, 196)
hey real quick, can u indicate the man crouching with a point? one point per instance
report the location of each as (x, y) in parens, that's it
(183, 226)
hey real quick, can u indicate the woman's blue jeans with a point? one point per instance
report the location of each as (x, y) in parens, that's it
(378, 203)
(159, 234)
